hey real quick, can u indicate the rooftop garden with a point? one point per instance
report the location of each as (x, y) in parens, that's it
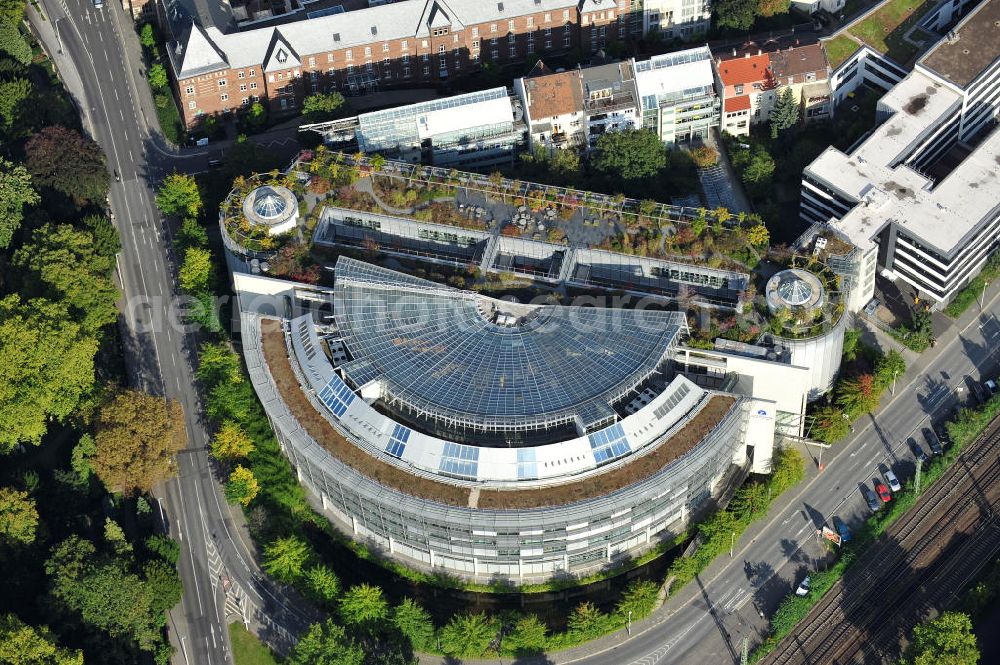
(884, 29)
(839, 49)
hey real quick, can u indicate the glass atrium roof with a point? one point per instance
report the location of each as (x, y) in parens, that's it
(473, 361)
(794, 290)
(268, 203)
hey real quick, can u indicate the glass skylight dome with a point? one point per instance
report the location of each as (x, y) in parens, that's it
(272, 206)
(268, 203)
(794, 289)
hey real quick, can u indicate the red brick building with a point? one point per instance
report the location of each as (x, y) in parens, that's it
(415, 42)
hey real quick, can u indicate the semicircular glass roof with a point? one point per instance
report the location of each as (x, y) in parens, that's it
(434, 350)
(794, 290)
(268, 203)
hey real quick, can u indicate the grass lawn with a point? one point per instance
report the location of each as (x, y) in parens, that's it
(884, 29)
(839, 49)
(247, 649)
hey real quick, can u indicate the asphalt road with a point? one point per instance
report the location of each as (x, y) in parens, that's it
(103, 73)
(711, 616)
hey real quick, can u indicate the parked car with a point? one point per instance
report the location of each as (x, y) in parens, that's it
(942, 433)
(842, 530)
(803, 588)
(932, 442)
(870, 498)
(891, 479)
(98, 4)
(918, 452)
(882, 490)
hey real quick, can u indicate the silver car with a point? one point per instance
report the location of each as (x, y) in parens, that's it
(891, 480)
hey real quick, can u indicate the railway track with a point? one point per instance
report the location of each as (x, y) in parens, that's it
(923, 561)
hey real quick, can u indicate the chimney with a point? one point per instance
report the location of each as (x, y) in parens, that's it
(759, 52)
(747, 55)
(734, 51)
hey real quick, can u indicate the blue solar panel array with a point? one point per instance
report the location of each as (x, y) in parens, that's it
(527, 467)
(461, 461)
(337, 396)
(609, 444)
(397, 442)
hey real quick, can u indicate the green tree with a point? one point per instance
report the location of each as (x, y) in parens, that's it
(323, 583)
(772, 7)
(758, 236)
(325, 644)
(115, 537)
(82, 456)
(103, 593)
(415, 623)
(16, 192)
(13, 44)
(47, 368)
(947, 640)
(231, 442)
(858, 395)
(191, 234)
(164, 586)
(640, 597)
(830, 424)
(257, 115)
(851, 338)
(736, 14)
(363, 604)
(195, 274)
(147, 35)
(322, 106)
(286, 557)
(137, 436)
(158, 77)
(632, 156)
(759, 172)
(18, 517)
(62, 263)
(21, 644)
(467, 634)
(242, 486)
(68, 162)
(527, 637)
(14, 95)
(12, 11)
(178, 196)
(586, 621)
(888, 368)
(217, 363)
(106, 240)
(785, 113)
(164, 547)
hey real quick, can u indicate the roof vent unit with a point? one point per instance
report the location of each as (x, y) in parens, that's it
(820, 246)
(500, 7)
(336, 36)
(952, 37)
(374, 30)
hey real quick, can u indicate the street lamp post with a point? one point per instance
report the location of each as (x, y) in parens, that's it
(893, 391)
(982, 296)
(628, 624)
(732, 543)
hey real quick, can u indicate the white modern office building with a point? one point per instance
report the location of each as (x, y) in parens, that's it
(487, 438)
(678, 94)
(475, 130)
(919, 198)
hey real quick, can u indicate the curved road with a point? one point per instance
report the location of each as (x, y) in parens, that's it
(98, 57)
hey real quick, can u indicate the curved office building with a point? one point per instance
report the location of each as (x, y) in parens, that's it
(489, 438)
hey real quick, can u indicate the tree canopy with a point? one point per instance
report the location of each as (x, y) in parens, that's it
(48, 368)
(68, 162)
(322, 106)
(286, 557)
(195, 274)
(415, 623)
(785, 113)
(158, 77)
(631, 155)
(13, 95)
(16, 192)
(136, 437)
(363, 604)
(62, 263)
(242, 486)
(178, 196)
(21, 644)
(18, 517)
(325, 644)
(231, 442)
(947, 640)
(13, 44)
(736, 14)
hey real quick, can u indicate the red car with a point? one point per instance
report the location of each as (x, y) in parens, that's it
(882, 491)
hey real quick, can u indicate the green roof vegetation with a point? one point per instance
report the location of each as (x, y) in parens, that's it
(884, 29)
(839, 49)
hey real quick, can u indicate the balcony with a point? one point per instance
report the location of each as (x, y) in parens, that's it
(609, 104)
